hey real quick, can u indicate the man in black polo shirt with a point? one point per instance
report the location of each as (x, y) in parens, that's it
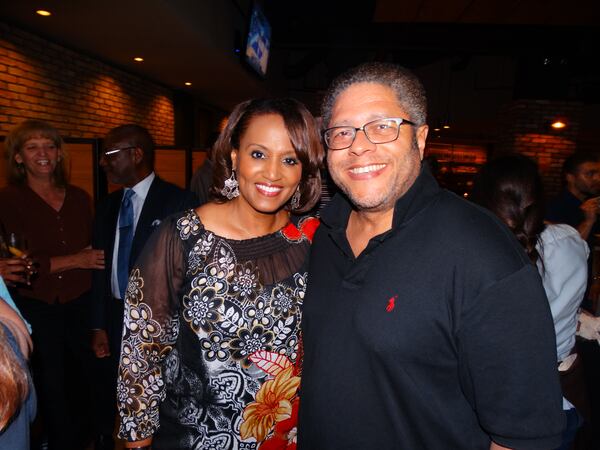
(425, 324)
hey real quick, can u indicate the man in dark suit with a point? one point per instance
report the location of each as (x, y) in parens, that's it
(124, 221)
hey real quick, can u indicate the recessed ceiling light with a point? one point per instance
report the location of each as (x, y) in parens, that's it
(188, 83)
(138, 59)
(558, 125)
(43, 12)
(446, 127)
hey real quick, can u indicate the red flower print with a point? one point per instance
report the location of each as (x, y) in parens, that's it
(285, 432)
(309, 226)
(291, 232)
(306, 229)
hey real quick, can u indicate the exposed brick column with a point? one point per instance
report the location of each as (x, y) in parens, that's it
(81, 96)
(526, 129)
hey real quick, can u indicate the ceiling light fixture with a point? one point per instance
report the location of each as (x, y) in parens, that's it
(558, 124)
(188, 83)
(43, 12)
(138, 59)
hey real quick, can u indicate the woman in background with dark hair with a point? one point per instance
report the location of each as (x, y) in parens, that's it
(213, 306)
(511, 188)
(54, 219)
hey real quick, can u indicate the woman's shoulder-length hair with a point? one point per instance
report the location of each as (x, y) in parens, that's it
(304, 135)
(16, 139)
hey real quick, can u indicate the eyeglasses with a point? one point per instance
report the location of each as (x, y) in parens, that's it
(113, 151)
(378, 131)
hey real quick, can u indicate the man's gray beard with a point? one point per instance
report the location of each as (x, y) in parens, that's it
(376, 204)
(385, 203)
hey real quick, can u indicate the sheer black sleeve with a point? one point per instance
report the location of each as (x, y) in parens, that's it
(150, 329)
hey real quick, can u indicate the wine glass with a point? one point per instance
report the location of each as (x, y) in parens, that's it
(18, 247)
(4, 253)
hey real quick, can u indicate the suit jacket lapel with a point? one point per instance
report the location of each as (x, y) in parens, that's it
(150, 211)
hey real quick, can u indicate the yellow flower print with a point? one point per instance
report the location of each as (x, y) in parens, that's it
(273, 403)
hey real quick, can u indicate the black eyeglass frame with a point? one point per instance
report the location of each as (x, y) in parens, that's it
(399, 121)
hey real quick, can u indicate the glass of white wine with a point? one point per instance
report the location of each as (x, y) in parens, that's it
(18, 247)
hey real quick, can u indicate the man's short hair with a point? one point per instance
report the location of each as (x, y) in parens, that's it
(136, 136)
(405, 84)
(573, 162)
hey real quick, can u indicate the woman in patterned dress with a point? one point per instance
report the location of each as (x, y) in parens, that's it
(213, 307)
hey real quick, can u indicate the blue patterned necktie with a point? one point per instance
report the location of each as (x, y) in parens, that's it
(125, 239)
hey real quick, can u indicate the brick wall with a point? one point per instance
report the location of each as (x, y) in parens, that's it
(526, 129)
(81, 96)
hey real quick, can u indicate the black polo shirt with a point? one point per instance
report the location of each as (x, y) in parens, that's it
(565, 208)
(438, 336)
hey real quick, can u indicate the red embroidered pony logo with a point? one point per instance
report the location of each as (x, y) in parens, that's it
(391, 303)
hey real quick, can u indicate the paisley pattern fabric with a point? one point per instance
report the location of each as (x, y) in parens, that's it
(210, 338)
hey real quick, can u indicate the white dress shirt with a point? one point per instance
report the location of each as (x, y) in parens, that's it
(140, 193)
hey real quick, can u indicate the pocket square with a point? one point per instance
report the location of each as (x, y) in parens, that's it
(156, 223)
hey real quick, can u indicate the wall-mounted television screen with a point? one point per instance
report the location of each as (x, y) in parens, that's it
(258, 41)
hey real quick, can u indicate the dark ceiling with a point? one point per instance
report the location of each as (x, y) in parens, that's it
(553, 44)
(472, 55)
(544, 36)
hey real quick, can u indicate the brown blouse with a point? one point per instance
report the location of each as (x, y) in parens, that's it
(50, 233)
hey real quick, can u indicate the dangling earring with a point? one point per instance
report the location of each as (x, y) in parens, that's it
(295, 201)
(230, 190)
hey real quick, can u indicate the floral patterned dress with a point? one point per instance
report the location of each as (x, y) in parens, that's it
(210, 339)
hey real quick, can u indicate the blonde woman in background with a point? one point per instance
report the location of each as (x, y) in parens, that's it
(54, 219)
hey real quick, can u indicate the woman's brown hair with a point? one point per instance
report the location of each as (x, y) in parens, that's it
(30, 129)
(14, 384)
(511, 187)
(302, 130)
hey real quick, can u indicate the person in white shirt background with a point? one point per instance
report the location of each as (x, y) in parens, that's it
(511, 187)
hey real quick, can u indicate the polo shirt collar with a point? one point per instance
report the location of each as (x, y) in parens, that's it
(335, 216)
